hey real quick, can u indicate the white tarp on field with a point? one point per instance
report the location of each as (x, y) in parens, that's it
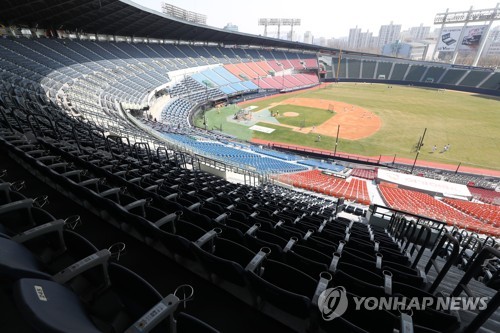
(262, 129)
(438, 187)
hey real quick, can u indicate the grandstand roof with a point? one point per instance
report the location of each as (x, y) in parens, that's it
(124, 17)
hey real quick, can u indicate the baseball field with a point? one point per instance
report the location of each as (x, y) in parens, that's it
(373, 120)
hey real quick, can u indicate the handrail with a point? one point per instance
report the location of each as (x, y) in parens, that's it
(35, 117)
(447, 237)
(423, 246)
(494, 302)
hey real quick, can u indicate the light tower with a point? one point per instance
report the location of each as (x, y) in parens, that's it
(278, 22)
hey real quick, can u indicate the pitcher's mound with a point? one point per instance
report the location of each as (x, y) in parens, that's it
(291, 114)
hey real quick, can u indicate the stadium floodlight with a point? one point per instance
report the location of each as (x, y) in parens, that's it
(183, 14)
(274, 21)
(263, 21)
(278, 22)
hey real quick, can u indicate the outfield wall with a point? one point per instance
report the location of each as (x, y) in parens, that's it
(352, 68)
(422, 84)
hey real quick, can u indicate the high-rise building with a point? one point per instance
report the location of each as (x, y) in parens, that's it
(365, 40)
(358, 40)
(388, 34)
(308, 37)
(419, 33)
(231, 27)
(321, 41)
(292, 35)
(353, 39)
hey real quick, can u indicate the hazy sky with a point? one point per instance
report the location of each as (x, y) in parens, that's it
(325, 18)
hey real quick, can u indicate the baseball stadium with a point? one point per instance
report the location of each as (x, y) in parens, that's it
(161, 175)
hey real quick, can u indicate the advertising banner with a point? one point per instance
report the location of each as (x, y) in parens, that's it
(472, 37)
(448, 40)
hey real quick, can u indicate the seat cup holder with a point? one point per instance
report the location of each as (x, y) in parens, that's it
(73, 221)
(14, 186)
(266, 250)
(41, 201)
(116, 250)
(184, 293)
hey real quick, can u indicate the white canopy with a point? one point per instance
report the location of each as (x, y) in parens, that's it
(438, 187)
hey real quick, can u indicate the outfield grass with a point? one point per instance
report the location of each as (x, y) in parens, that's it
(470, 123)
(307, 116)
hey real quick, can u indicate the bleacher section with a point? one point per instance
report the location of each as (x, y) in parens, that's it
(452, 76)
(425, 205)
(492, 82)
(415, 73)
(364, 173)
(400, 71)
(274, 153)
(176, 113)
(484, 212)
(236, 157)
(434, 74)
(368, 69)
(383, 69)
(485, 195)
(473, 79)
(314, 180)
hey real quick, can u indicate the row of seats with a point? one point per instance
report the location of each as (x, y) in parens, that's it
(91, 79)
(236, 157)
(484, 212)
(210, 249)
(485, 195)
(424, 205)
(222, 79)
(48, 267)
(369, 174)
(288, 236)
(288, 82)
(317, 181)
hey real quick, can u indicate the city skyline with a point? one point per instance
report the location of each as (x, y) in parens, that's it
(323, 19)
